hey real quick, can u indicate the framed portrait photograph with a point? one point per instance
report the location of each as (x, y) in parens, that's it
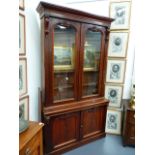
(22, 76)
(120, 11)
(22, 36)
(24, 108)
(118, 44)
(115, 71)
(114, 94)
(63, 58)
(113, 121)
(21, 4)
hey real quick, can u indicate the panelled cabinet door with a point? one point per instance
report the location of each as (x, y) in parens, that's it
(93, 122)
(64, 130)
(92, 58)
(64, 43)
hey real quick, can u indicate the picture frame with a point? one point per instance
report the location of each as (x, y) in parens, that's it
(115, 71)
(24, 108)
(91, 65)
(22, 4)
(22, 35)
(118, 44)
(120, 11)
(114, 121)
(114, 94)
(22, 76)
(63, 58)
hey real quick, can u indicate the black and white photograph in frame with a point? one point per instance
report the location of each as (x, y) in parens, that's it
(22, 76)
(115, 71)
(21, 4)
(118, 44)
(24, 108)
(22, 35)
(114, 94)
(120, 11)
(113, 121)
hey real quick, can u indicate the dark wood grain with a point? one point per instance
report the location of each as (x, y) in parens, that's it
(76, 120)
(128, 126)
(72, 14)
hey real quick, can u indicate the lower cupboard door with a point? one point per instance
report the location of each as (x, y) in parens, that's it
(65, 129)
(93, 122)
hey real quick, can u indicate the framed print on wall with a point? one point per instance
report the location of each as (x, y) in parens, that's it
(113, 121)
(24, 108)
(22, 36)
(21, 4)
(120, 11)
(22, 76)
(114, 94)
(115, 71)
(118, 44)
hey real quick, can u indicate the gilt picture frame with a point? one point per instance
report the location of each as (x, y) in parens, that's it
(63, 58)
(115, 71)
(120, 11)
(114, 94)
(22, 35)
(91, 63)
(24, 108)
(22, 4)
(118, 44)
(22, 76)
(113, 121)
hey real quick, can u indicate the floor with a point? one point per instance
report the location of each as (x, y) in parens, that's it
(110, 145)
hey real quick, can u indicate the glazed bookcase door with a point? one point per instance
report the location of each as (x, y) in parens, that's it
(92, 56)
(65, 51)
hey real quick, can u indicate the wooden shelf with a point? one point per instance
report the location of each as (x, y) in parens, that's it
(90, 84)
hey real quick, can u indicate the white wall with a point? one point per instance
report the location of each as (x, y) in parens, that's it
(100, 7)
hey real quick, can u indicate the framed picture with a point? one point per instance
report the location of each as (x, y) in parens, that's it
(113, 121)
(22, 76)
(120, 11)
(115, 71)
(22, 37)
(21, 4)
(114, 94)
(91, 59)
(63, 58)
(118, 44)
(24, 108)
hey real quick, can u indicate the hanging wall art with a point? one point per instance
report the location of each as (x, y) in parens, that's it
(115, 71)
(22, 37)
(120, 11)
(114, 94)
(22, 76)
(118, 44)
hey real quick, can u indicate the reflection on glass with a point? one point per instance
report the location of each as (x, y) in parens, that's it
(64, 42)
(91, 62)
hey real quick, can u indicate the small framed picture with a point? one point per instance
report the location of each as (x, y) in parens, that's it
(114, 94)
(24, 108)
(114, 121)
(63, 58)
(22, 76)
(118, 44)
(21, 4)
(22, 37)
(120, 11)
(115, 71)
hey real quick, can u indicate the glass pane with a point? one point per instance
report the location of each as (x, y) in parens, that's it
(64, 51)
(91, 62)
